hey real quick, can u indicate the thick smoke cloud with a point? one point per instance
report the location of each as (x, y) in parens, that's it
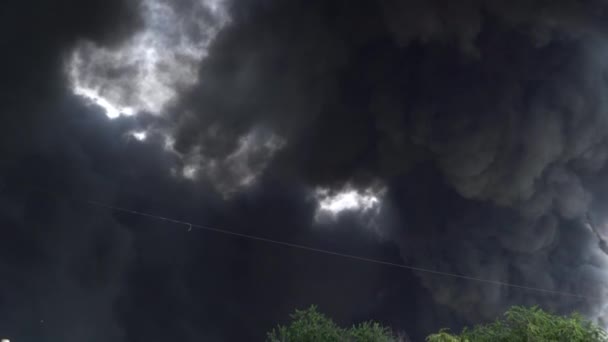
(75, 272)
(484, 121)
(504, 99)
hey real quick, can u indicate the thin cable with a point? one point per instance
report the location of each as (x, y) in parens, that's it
(192, 226)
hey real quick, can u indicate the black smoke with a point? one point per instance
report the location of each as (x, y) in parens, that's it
(485, 121)
(501, 104)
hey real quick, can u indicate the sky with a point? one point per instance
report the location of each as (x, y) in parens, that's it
(464, 137)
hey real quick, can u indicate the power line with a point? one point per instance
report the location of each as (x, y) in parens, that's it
(192, 226)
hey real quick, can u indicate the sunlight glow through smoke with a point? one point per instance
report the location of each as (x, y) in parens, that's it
(350, 200)
(144, 73)
(139, 135)
(112, 110)
(331, 204)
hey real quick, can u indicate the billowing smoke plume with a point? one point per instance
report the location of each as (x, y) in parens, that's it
(502, 103)
(482, 124)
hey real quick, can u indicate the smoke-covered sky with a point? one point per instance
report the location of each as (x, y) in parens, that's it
(468, 137)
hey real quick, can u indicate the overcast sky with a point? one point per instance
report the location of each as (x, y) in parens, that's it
(465, 137)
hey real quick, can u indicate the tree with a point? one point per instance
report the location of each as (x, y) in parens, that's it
(521, 324)
(312, 326)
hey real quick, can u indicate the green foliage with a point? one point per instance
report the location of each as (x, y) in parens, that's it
(528, 325)
(307, 326)
(444, 336)
(369, 332)
(519, 324)
(312, 326)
